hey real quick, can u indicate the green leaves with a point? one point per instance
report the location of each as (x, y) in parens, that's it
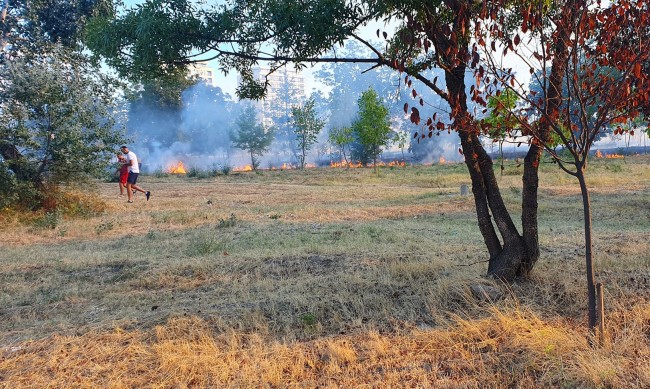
(59, 120)
(372, 127)
(251, 135)
(307, 126)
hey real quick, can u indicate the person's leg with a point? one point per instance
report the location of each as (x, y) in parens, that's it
(122, 187)
(136, 187)
(130, 181)
(133, 178)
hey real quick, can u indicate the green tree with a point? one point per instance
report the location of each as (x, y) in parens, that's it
(401, 138)
(57, 126)
(372, 127)
(307, 126)
(251, 135)
(341, 138)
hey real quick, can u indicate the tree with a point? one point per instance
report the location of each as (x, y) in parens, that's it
(431, 34)
(341, 137)
(251, 136)
(57, 126)
(371, 127)
(31, 27)
(55, 103)
(605, 84)
(401, 138)
(307, 126)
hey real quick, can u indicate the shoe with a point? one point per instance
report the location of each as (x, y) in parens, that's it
(147, 195)
(130, 201)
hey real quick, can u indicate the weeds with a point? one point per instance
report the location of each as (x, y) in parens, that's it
(229, 222)
(204, 246)
(104, 226)
(49, 221)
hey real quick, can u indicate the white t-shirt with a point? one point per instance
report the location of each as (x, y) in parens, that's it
(133, 168)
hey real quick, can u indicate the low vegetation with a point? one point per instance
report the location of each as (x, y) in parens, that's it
(322, 278)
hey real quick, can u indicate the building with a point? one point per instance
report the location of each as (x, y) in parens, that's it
(286, 88)
(203, 71)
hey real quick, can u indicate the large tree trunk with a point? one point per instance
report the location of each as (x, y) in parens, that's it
(508, 253)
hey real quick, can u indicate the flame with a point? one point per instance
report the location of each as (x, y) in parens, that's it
(359, 164)
(346, 164)
(599, 154)
(442, 160)
(179, 168)
(246, 168)
(286, 166)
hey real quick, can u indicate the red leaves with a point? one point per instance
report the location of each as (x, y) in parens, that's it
(414, 93)
(406, 107)
(415, 116)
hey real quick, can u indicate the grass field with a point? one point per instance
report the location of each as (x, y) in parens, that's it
(322, 278)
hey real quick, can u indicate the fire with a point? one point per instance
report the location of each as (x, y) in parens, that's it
(179, 168)
(442, 160)
(359, 164)
(346, 164)
(246, 168)
(286, 166)
(599, 154)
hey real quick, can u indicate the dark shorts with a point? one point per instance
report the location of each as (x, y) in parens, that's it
(133, 177)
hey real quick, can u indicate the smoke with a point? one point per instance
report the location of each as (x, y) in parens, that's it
(197, 132)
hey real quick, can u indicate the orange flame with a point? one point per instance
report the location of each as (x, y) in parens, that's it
(442, 160)
(246, 168)
(346, 164)
(600, 154)
(179, 168)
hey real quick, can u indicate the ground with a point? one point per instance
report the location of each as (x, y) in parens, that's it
(324, 277)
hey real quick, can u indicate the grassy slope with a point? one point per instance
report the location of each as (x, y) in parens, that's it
(325, 277)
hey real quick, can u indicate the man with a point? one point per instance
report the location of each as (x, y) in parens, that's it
(134, 171)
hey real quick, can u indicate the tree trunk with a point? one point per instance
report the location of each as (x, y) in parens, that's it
(507, 254)
(530, 179)
(591, 283)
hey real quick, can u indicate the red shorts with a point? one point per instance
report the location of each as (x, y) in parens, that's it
(123, 177)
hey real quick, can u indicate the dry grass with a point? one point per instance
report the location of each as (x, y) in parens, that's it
(508, 347)
(324, 278)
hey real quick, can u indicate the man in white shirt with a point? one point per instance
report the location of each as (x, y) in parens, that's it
(134, 171)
